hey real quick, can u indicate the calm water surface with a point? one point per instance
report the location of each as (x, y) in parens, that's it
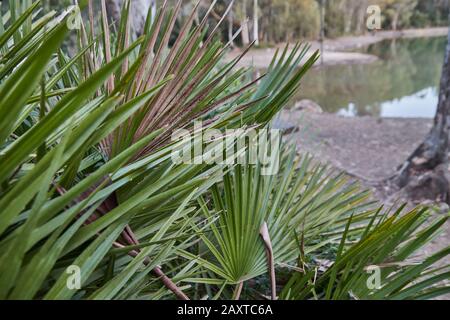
(404, 83)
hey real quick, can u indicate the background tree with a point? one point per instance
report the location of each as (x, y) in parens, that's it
(231, 27)
(255, 22)
(425, 173)
(400, 12)
(290, 20)
(245, 31)
(139, 11)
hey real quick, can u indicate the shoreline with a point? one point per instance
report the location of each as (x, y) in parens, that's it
(336, 51)
(339, 140)
(355, 42)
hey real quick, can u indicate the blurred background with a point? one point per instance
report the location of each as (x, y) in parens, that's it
(291, 20)
(403, 58)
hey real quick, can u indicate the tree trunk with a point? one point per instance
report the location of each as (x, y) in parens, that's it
(269, 27)
(230, 27)
(255, 23)
(322, 30)
(139, 10)
(425, 172)
(245, 33)
(394, 23)
(361, 14)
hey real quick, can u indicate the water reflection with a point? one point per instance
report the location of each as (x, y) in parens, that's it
(404, 83)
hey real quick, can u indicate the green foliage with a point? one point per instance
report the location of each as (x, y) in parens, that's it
(87, 179)
(300, 200)
(386, 247)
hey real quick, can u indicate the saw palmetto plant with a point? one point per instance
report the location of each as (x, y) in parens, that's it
(380, 264)
(87, 179)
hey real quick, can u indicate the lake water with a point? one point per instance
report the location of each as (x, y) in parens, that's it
(404, 83)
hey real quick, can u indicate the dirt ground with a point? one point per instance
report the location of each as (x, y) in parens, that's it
(363, 146)
(366, 148)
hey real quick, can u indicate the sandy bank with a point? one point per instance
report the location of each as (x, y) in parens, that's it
(363, 146)
(353, 42)
(335, 49)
